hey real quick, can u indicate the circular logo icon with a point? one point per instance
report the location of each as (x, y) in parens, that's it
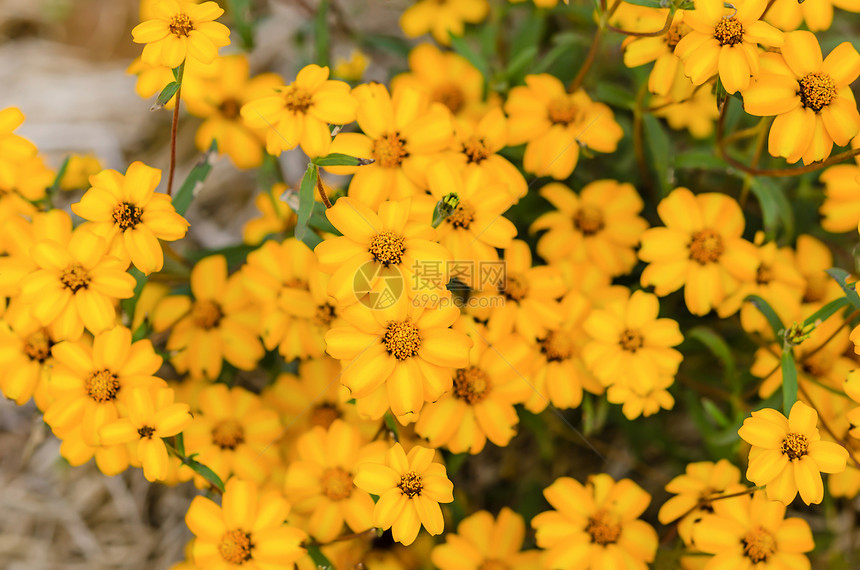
(376, 286)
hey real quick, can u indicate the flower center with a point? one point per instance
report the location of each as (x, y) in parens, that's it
(410, 484)
(729, 31)
(180, 25)
(228, 434)
(631, 340)
(759, 545)
(764, 274)
(816, 287)
(475, 149)
(146, 432)
(588, 220)
(206, 314)
(556, 346)
(817, 90)
(389, 150)
(102, 386)
(675, 33)
(401, 339)
(337, 484)
(230, 109)
(462, 217)
(297, 100)
(795, 445)
(450, 95)
(235, 547)
(818, 364)
(515, 288)
(603, 529)
(325, 414)
(75, 277)
(493, 565)
(325, 314)
(471, 384)
(706, 246)
(562, 111)
(388, 248)
(127, 216)
(38, 346)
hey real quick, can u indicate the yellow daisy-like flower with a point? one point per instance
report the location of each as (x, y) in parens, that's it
(79, 168)
(442, 17)
(13, 147)
(725, 43)
(482, 542)
(18, 235)
(276, 216)
(181, 29)
(151, 79)
(131, 216)
(752, 532)
(246, 531)
(813, 258)
(152, 415)
(789, 15)
(555, 123)
(299, 113)
(696, 113)
(351, 69)
(659, 49)
(788, 455)
(24, 182)
(841, 206)
(595, 526)
(600, 226)
(700, 249)
(25, 357)
(410, 488)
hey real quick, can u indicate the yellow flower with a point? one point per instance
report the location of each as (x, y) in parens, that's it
(788, 455)
(276, 218)
(19, 235)
(78, 171)
(131, 216)
(181, 29)
(351, 69)
(110, 460)
(299, 113)
(403, 134)
(151, 79)
(442, 17)
(701, 249)
(600, 226)
(23, 181)
(410, 488)
(812, 259)
(841, 206)
(25, 357)
(696, 113)
(659, 49)
(482, 542)
(595, 525)
(641, 399)
(811, 98)
(752, 532)
(152, 415)
(788, 15)
(13, 147)
(247, 530)
(76, 285)
(555, 123)
(725, 43)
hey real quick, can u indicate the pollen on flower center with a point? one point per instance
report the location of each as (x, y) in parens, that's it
(676, 33)
(475, 149)
(325, 314)
(75, 277)
(764, 274)
(206, 314)
(463, 216)
(471, 384)
(388, 248)
(631, 340)
(337, 484)
(127, 216)
(146, 432)
(297, 99)
(38, 346)
(795, 445)
(817, 90)
(450, 95)
(706, 246)
(515, 288)
(401, 339)
(562, 111)
(228, 434)
(230, 108)
(588, 220)
(235, 547)
(410, 484)
(603, 529)
(759, 545)
(180, 25)
(325, 414)
(389, 150)
(556, 346)
(102, 386)
(729, 31)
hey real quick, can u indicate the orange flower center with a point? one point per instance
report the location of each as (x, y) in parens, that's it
(706, 246)
(816, 287)
(230, 108)
(631, 340)
(38, 346)
(759, 545)
(818, 364)
(325, 414)
(556, 346)
(764, 274)
(562, 111)
(206, 314)
(401, 339)
(817, 90)
(795, 445)
(729, 31)
(603, 528)
(146, 432)
(389, 150)
(471, 384)
(75, 277)
(325, 314)
(515, 288)
(450, 95)
(102, 386)
(388, 248)
(297, 99)
(475, 149)
(228, 434)
(337, 484)
(675, 33)
(235, 547)
(127, 216)
(588, 220)
(493, 565)
(180, 25)
(410, 484)
(462, 217)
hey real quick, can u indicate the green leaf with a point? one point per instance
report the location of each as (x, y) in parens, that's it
(319, 220)
(463, 48)
(179, 441)
(205, 472)
(240, 12)
(841, 276)
(397, 46)
(320, 560)
(166, 95)
(764, 191)
(128, 305)
(614, 95)
(715, 413)
(306, 201)
(769, 314)
(322, 42)
(528, 34)
(234, 254)
(182, 198)
(646, 3)
(826, 311)
(392, 425)
(718, 347)
(703, 160)
(789, 380)
(658, 147)
(720, 93)
(520, 62)
(55, 186)
(340, 159)
(142, 331)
